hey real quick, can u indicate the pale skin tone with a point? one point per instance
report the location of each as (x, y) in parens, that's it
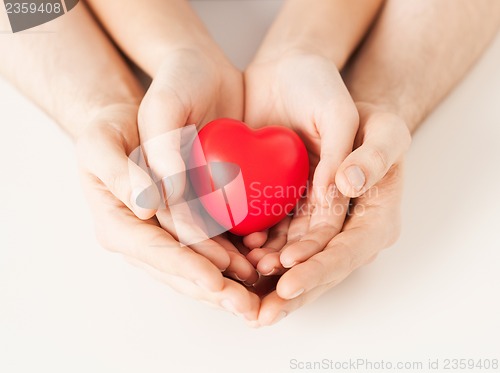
(107, 113)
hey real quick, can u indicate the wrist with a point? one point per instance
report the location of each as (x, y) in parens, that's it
(276, 49)
(409, 114)
(75, 120)
(381, 107)
(195, 54)
(194, 41)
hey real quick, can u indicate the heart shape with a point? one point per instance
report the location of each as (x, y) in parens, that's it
(252, 178)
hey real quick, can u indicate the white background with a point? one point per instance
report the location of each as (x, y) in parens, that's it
(66, 305)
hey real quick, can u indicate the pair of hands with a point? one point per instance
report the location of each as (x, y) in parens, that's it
(315, 249)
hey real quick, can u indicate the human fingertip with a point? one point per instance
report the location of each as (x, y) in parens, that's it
(270, 318)
(356, 177)
(296, 294)
(254, 324)
(255, 240)
(344, 186)
(285, 291)
(228, 305)
(288, 262)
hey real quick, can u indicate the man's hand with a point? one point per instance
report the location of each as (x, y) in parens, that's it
(372, 225)
(193, 83)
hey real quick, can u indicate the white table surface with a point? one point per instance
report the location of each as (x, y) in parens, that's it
(66, 305)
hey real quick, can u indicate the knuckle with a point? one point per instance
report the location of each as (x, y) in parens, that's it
(379, 159)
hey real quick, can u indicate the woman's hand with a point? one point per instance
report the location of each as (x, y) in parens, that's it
(373, 222)
(192, 86)
(193, 83)
(110, 177)
(303, 91)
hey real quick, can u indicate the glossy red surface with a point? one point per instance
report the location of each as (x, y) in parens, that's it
(274, 168)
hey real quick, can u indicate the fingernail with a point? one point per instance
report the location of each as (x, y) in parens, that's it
(248, 284)
(235, 276)
(356, 177)
(288, 263)
(280, 317)
(270, 272)
(168, 188)
(228, 305)
(296, 294)
(253, 324)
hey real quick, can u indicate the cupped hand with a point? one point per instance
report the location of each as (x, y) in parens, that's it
(373, 222)
(192, 86)
(304, 91)
(109, 180)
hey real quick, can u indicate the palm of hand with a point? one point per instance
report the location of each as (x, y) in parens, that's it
(305, 93)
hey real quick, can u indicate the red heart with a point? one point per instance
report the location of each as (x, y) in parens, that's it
(274, 171)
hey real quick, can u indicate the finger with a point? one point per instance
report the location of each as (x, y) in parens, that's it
(239, 268)
(347, 251)
(256, 255)
(232, 297)
(254, 240)
(185, 230)
(385, 139)
(162, 115)
(266, 260)
(273, 308)
(313, 242)
(103, 154)
(118, 230)
(277, 236)
(325, 222)
(337, 127)
(270, 265)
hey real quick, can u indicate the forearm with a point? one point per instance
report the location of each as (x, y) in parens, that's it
(149, 30)
(332, 28)
(72, 71)
(418, 51)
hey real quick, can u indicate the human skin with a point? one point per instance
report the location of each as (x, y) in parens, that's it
(294, 81)
(193, 83)
(414, 56)
(182, 58)
(77, 76)
(379, 98)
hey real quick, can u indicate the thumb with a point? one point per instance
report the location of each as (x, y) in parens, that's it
(161, 126)
(385, 138)
(103, 154)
